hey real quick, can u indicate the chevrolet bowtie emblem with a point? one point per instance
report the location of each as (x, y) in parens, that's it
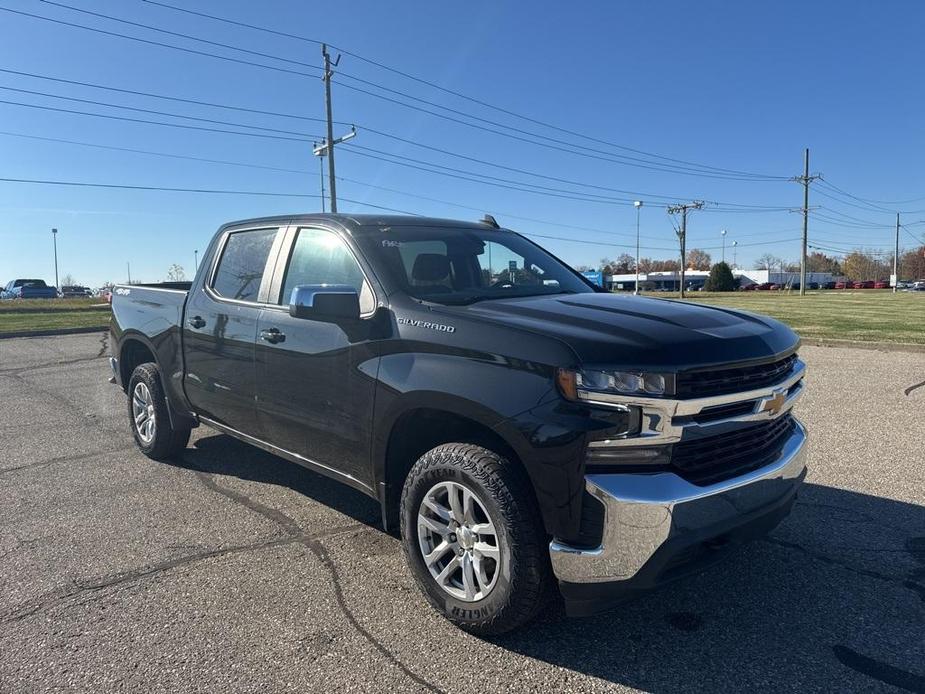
(774, 403)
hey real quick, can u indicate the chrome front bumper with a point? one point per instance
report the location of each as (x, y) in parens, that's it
(644, 513)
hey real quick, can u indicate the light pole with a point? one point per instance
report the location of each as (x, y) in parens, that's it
(734, 244)
(54, 237)
(638, 206)
(723, 232)
(196, 260)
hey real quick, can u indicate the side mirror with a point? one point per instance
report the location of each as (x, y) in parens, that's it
(325, 302)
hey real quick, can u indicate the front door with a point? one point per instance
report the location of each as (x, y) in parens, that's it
(316, 380)
(220, 328)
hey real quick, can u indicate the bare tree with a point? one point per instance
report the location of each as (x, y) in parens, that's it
(768, 261)
(175, 273)
(68, 280)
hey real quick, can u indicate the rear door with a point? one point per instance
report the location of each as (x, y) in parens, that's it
(315, 379)
(220, 327)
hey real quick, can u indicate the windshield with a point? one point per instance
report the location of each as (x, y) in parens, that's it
(450, 265)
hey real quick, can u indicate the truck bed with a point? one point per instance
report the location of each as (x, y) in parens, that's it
(152, 309)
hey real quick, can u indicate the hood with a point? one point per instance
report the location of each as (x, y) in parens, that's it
(637, 332)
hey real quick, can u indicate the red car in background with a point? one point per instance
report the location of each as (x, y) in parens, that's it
(866, 284)
(881, 285)
(843, 285)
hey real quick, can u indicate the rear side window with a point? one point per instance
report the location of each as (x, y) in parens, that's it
(240, 269)
(322, 257)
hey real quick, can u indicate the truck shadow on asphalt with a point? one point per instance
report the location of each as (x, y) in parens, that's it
(833, 599)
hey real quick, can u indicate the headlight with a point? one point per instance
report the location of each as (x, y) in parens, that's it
(586, 384)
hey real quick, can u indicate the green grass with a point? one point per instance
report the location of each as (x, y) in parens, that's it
(31, 305)
(858, 316)
(18, 321)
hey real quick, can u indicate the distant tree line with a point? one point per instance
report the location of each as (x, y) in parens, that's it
(860, 264)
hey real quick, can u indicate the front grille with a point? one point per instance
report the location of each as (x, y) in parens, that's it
(714, 458)
(699, 384)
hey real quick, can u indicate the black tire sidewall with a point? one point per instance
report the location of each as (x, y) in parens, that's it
(504, 607)
(165, 437)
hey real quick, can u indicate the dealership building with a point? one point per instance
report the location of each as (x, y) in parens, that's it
(695, 279)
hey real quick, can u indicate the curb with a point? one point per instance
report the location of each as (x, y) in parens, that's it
(53, 331)
(875, 346)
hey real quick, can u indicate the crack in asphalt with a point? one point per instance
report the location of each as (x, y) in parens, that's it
(825, 559)
(312, 543)
(65, 459)
(66, 362)
(913, 387)
(55, 597)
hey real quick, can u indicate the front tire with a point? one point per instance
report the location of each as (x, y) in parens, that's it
(472, 536)
(154, 434)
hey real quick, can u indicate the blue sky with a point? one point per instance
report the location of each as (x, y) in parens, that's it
(739, 86)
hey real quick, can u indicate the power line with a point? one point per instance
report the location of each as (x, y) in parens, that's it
(307, 138)
(206, 191)
(636, 194)
(153, 153)
(571, 148)
(872, 201)
(151, 42)
(152, 95)
(177, 34)
(155, 112)
(453, 92)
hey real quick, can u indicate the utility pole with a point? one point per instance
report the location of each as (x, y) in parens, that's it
(637, 205)
(326, 148)
(327, 105)
(805, 179)
(196, 259)
(682, 232)
(734, 263)
(321, 162)
(896, 256)
(54, 238)
(128, 267)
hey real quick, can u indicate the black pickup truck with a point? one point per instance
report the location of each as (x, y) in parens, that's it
(519, 426)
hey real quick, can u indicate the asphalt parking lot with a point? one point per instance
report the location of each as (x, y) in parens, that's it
(233, 570)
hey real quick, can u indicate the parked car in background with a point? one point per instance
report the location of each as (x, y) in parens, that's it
(843, 284)
(830, 285)
(812, 285)
(749, 287)
(74, 291)
(881, 285)
(764, 286)
(866, 284)
(28, 289)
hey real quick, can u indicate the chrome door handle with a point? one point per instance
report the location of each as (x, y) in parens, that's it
(272, 335)
(196, 322)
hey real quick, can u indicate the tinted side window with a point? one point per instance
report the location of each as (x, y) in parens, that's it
(322, 257)
(240, 268)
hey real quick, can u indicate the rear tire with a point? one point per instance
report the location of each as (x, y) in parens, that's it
(152, 430)
(485, 567)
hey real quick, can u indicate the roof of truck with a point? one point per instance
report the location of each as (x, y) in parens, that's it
(361, 222)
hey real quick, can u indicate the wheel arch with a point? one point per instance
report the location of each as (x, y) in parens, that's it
(135, 348)
(423, 425)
